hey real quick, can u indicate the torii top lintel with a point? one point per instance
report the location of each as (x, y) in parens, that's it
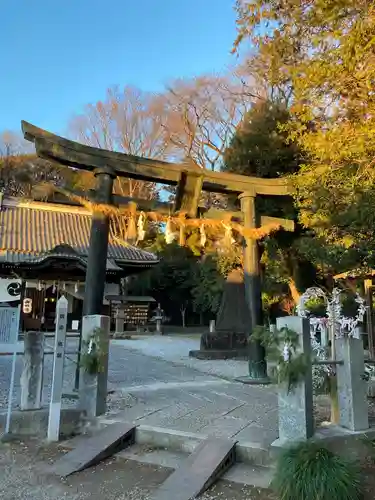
(80, 156)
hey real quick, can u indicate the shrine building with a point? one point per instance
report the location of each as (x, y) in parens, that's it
(46, 245)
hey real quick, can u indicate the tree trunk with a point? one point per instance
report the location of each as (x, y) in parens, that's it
(294, 292)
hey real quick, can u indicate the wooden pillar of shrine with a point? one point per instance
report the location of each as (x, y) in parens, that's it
(97, 257)
(97, 264)
(253, 291)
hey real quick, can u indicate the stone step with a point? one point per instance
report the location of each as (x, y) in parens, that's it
(181, 442)
(241, 473)
(186, 442)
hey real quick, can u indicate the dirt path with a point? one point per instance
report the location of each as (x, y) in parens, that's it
(26, 474)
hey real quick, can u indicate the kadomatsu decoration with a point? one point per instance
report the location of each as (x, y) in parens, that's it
(94, 353)
(282, 348)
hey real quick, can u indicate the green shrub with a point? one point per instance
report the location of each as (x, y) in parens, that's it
(308, 471)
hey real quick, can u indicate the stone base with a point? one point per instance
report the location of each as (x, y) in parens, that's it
(351, 445)
(220, 354)
(223, 341)
(34, 423)
(222, 345)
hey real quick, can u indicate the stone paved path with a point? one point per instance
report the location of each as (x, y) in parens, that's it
(210, 408)
(207, 401)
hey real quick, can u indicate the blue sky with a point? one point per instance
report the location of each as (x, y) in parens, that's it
(56, 56)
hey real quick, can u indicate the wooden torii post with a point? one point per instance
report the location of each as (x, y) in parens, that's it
(190, 181)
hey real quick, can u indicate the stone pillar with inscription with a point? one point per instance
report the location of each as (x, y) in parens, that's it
(296, 421)
(58, 370)
(32, 372)
(351, 386)
(120, 320)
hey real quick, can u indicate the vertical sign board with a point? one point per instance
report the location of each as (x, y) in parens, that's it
(10, 291)
(9, 326)
(58, 370)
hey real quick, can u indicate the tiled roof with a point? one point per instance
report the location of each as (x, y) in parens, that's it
(32, 229)
(10, 257)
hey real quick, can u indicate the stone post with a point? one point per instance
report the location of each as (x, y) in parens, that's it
(119, 322)
(159, 330)
(212, 326)
(53, 432)
(351, 386)
(296, 421)
(32, 373)
(93, 388)
(158, 320)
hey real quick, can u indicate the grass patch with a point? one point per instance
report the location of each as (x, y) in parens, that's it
(309, 471)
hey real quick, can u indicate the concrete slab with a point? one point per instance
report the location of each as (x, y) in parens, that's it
(146, 455)
(35, 422)
(225, 426)
(257, 434)
(240, 473)
(91, 451)
(258, 476)
(198, 471)
(179, 441)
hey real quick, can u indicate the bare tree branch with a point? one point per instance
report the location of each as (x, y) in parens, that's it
(126, 122)
(200, 115)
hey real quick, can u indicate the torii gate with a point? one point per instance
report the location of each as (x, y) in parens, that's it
(190, 181)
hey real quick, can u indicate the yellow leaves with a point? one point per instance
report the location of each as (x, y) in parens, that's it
(347, 242)
(343, 141)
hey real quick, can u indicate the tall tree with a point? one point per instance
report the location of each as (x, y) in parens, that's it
(126, 121)
(200, 115)
(13, 144)
(325, 49)
(261, 148)
(21, 170)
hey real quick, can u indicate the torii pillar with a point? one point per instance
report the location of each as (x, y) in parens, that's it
(96, 275)
(98, 249)
(253, 292)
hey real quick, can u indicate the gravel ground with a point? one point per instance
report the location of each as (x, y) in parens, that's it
(26, 474)
(126, 368)
(176, 349)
